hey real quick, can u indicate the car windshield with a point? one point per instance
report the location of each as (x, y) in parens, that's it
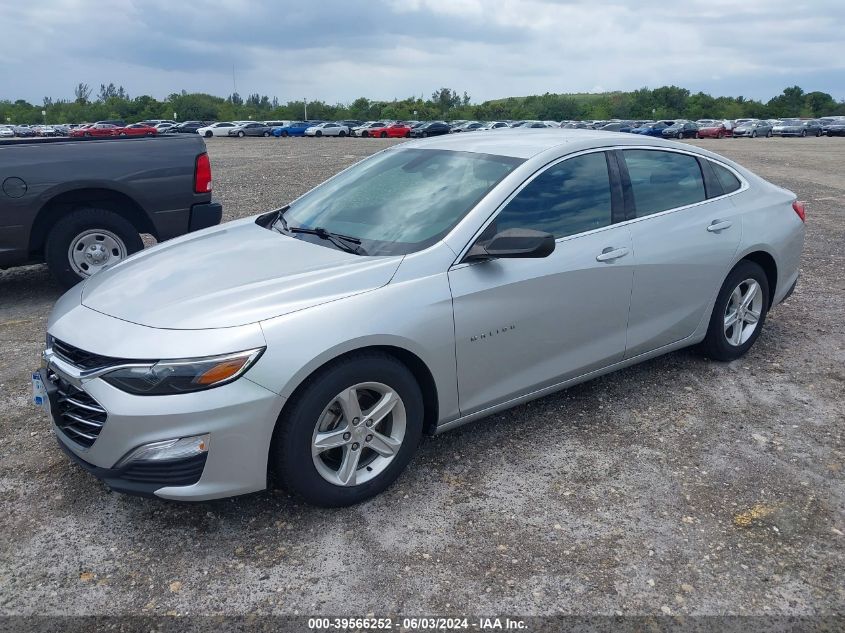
(400, 201)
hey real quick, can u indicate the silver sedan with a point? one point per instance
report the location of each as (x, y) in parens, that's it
(434, 283)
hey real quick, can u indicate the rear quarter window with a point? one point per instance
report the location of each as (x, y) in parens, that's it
(729, 182)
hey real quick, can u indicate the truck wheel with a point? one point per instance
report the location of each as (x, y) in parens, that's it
(87, 241)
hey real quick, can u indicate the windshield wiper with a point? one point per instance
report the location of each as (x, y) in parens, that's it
(343, 242)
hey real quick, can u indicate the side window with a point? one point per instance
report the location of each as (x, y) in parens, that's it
(663, 180)
(729, 182)
(568, 198)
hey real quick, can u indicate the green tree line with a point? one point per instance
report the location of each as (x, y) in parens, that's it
(113, 102)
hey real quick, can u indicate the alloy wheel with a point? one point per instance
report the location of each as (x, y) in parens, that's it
(742, 314)
(358, 434)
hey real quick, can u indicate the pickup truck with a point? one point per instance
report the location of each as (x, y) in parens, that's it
(81, 205)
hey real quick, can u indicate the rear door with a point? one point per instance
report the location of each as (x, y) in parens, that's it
(685, 231)
(524, 324)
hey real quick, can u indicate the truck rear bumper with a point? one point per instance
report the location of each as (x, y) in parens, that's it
(205, 215)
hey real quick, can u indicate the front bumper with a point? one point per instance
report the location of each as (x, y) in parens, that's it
(239, 419)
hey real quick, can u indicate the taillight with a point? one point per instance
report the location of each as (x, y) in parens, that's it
(799, 207)
(202, 174)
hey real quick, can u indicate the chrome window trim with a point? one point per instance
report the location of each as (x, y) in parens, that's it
(744, 186)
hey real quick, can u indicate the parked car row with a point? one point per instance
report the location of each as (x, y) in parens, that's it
(665, 128)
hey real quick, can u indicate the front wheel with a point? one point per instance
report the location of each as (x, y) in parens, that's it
(350, 432)
(384, 134)
(208, 134)
(803, 133)
(769, 134)
(285, 134)
(754, 135)
(241, 134)
(266, 134)
(739, 313)
(319, 133)
(87, 241)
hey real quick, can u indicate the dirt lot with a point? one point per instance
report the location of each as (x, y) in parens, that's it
(680, 485)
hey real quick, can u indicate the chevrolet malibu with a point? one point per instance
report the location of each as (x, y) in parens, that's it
(434, 283)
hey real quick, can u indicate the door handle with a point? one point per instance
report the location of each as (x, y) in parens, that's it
(719, 225)
(610, 253)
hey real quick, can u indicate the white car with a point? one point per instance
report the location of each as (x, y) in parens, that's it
(327, 129)
(216, 129)
(6, 132)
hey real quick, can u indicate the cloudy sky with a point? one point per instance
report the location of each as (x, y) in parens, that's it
(337, 50)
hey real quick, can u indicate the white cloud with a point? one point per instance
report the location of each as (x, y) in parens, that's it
(337, 50)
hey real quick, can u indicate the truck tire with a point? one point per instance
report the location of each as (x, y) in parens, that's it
(86, 241)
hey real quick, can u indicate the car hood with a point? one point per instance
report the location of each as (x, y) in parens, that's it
(230, 275)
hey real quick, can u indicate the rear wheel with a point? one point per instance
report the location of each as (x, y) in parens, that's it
(384, 134)
(769, 134)
(739, 313)
(754, 134)
(803, 133)
(266, 134)
(350, 431)
(87, 241)
(342, 134)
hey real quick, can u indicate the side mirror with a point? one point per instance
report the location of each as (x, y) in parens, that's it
(513, 243)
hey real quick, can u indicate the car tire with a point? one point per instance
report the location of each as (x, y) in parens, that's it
(697, 135)
(208, 134)
(803, 133)
(725, 343)
(365, 134)
(316, 476)
(342, 134)
(285, 134)
(769, 134)
(383, 134)
(241, 134)
(266, 134)
(68, 232)
(754, 134)
(318, 133)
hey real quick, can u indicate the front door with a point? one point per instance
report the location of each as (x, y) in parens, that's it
(524, 324)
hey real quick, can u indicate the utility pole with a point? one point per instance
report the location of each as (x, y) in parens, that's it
(305, 104)
(234, 85)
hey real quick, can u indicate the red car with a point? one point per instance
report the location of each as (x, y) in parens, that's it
(715, 130)
(79, 131)
(137, 129)
(99, 130)
(395, 130)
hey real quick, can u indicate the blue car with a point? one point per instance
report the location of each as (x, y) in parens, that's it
(296, 128)
(653, 129)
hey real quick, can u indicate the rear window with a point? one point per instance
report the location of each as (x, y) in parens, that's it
(663, 180)
(729, 182)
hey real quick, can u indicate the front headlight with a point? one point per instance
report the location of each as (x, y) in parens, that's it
(168, 377)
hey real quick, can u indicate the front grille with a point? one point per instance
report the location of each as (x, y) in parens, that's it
(78, 415)
(179, 472)
(80, 358)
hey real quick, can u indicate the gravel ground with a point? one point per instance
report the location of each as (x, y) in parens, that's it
(678, 486)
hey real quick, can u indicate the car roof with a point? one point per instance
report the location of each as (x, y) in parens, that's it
(527, 143)
(554, 142)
